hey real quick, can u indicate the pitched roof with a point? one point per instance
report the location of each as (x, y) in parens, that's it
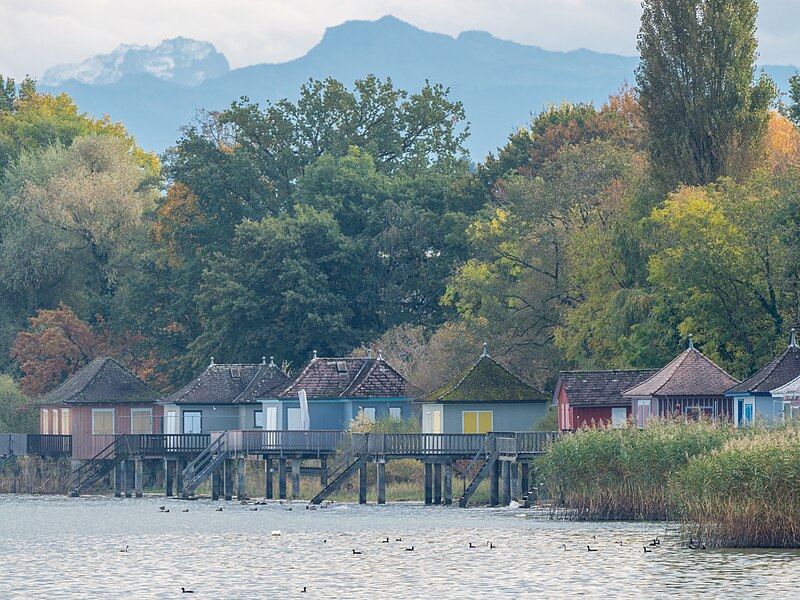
(792, 388)
(485, 381)
(689, 374)
(267, 379)
(604, 388)
(102, 381)
(218, 384)
(347, 378)
(780, 370)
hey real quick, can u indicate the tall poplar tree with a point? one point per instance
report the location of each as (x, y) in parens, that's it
(704, 114)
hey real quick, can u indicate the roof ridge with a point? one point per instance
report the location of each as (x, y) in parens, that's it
(104, 360)
(611, 370)
(352, 385)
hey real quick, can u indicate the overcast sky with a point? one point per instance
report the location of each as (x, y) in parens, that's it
(37, 34)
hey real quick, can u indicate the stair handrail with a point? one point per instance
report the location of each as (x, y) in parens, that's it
(483, 451)
(113, 451)
(202, 459)
(358, 445)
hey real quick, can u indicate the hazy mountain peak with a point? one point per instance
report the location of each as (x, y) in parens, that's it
(179, 60)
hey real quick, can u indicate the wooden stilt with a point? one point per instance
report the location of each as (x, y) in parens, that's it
(216, 484)
(494, 484)
(428, 483)
(228, 468)
(437, 483)
(268, 478)
(524, 478)
(296, 478)
(138, 477)
(448, 483)
(282, 478)
(506, 485)
(380, 481)
(169, 466)
(127, 478)
(180, 464)
(362, 484)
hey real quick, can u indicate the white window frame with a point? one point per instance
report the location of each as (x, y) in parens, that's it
(45, 421)
(66, 424)
(294, 419)
(56, 422)
(642, 417)
(258, 419)
(370, 413)
(619, 424)
(149, 412)
(104, 411)
(396, 412)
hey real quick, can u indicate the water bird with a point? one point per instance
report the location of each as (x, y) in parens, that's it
(646, 549)
(165, 511)
(161, 507)
(590, 549)
(275, 533)
(218, 509)
(492, 546)
(126, 549)
(386, 541)
(564, 546)
(655, 542)
(303, 591)
(398, 539)
(354, 551)
(410, 549)
(471, 545)
(254, 509)
(185, 510)
(185, 591)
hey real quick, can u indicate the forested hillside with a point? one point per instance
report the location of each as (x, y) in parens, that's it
(597, 237)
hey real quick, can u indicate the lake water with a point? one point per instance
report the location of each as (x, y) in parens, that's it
(58, 547)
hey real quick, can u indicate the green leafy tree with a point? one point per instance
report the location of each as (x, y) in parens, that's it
(794, 95)
(705, 118)
(16, 416)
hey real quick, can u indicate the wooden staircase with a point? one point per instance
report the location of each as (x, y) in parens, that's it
(202, 467)
(100, 464)
(489, 455)
(345, 465)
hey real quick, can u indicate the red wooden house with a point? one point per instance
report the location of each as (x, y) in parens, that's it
(98, 402)
(586, 398)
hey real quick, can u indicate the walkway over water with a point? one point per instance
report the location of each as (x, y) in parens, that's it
(335, 456)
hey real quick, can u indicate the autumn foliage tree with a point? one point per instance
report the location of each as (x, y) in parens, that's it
(56, 344)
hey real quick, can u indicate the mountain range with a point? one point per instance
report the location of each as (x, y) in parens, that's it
(154, 91)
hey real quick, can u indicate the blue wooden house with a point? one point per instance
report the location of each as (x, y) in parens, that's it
(763, 396)
(336, 390)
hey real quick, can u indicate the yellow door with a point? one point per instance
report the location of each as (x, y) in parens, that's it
(470, 421)
(485, 421)
(437, 421)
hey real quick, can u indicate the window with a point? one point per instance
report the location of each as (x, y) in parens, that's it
(643, 413)
(272, 418)
(477, 421)
(258, 419)
(294, 419)
(341, 366)
(102, 421)
(55, 430)
(65, 425)
(141, 420)
(192, 421)
(171, 422)
(396, 413)
(236, 373)
(369, 414)
(45, 427)
(619, 415)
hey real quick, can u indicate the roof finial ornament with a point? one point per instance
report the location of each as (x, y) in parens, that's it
(380, 354)
(485, 349)
(263, 360)
(271, 361)
(315, 355)
(212, 362)
(369, 352)
(793, 340)
(691, 342)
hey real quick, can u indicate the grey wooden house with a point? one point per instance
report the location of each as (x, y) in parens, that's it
(221, 398)
(483, 397)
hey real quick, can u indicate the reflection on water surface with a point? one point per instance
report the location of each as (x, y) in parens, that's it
(61, 547)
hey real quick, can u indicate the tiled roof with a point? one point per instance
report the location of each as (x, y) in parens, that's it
(780, 370)
(347, 378)
(601, 388)
(485, 381)
(689, 374)
(267, 380)
(102, 381)
(218, 384)
(792, 388)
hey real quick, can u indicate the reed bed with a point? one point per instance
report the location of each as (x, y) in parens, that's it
(602, 473)
(34, 475)
(745, 494)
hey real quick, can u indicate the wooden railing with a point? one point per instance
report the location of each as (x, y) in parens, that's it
(49, 445)
(258, 440)
(163, 444)
(534, 442)
(410, 444)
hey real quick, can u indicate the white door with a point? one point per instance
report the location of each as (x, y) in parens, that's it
(272, 418)
(172, 422)
(619, 414)
(294, 419)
